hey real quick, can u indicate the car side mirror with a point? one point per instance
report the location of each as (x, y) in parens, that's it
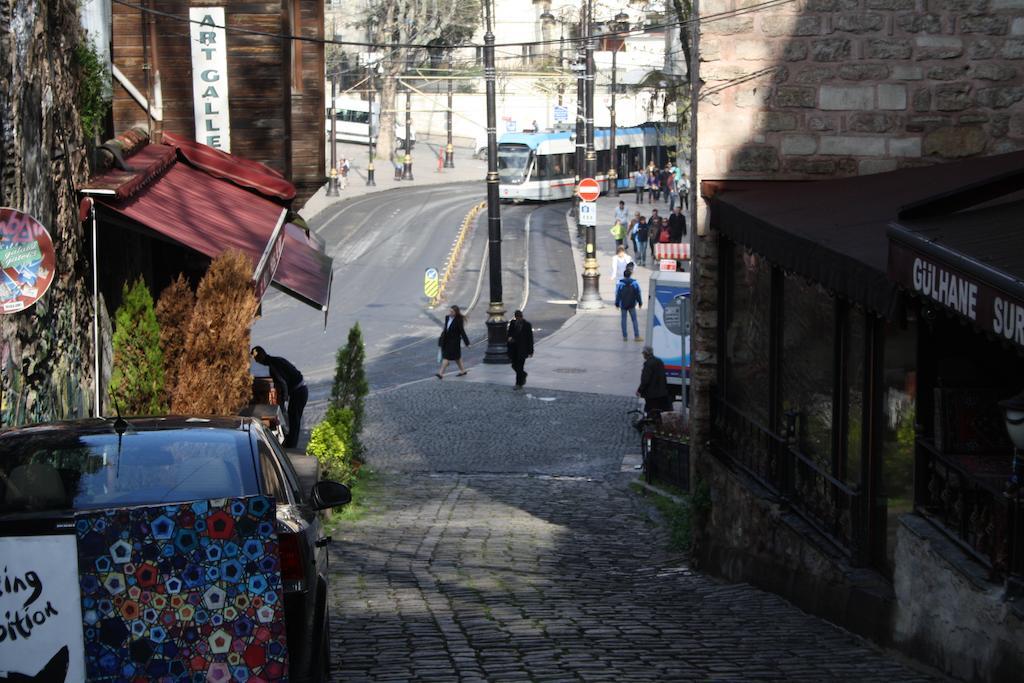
(330, 494)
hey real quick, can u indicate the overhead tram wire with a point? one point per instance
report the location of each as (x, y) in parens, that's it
(769, 4)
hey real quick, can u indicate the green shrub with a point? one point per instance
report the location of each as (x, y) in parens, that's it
(137, 380)
(350, 385)
(328, 446)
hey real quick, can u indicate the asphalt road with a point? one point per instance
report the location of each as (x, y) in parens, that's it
(381, 244)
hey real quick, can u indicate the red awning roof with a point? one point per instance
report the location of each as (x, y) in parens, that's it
(210, 216)
(245, 172)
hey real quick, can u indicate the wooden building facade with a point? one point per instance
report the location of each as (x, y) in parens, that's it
(272, 87)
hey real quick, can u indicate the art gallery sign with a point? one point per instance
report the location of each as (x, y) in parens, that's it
(210, 77)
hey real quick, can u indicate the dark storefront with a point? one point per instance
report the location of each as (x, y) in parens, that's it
(858, 380)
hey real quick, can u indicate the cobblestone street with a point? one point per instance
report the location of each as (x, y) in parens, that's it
(530, 558)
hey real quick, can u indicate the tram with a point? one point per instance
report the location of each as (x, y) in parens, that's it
(542, 166)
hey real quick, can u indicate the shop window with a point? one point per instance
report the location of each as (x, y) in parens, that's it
(806, 368)
(853, 467)
(747, 334)
(899, 397)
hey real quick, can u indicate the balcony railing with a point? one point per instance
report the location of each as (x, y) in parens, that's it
(834, 508)
(964, 497)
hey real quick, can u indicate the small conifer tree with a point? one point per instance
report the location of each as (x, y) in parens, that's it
(213, 376)
(173, 312)
(350, 385)
(137, 381)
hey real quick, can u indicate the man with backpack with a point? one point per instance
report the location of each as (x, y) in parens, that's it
(643, 233)
(628, 298)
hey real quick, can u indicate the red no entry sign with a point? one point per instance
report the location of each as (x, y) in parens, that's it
(589, 190)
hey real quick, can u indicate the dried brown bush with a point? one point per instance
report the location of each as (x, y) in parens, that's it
(173, 312)
(213, 377)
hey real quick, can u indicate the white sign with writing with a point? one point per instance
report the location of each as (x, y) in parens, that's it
(560, 113)
(41, 629)
(588, 213)
(210, 77)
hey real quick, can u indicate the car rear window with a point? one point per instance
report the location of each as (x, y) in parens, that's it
(43, 471)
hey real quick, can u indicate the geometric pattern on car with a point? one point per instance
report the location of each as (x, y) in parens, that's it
(185, 592)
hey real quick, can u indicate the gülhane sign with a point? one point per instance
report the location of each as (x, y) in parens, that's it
(989, 307)
(210, 77)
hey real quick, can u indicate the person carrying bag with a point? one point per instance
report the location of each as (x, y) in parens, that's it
(619, 233)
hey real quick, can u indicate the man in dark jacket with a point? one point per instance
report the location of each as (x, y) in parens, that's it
(291, 389)
(628, 298)
(677, 225)
(520, 346)
(653, 387)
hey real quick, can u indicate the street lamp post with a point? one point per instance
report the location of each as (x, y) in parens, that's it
(332, 184)
(497, 340)
(449, 151)
(407, 167)
(371, 147)
(591, 296)
(621, 21)
(580, 138)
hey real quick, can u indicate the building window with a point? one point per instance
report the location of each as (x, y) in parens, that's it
(747, 333)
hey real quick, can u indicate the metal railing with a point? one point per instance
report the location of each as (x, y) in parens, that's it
(833, 507)
(972, 511)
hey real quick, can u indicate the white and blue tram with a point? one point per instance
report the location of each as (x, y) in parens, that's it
(542, 166)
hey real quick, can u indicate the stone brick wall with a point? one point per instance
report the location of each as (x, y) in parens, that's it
(819, 88)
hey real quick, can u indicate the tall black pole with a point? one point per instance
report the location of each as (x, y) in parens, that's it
(497, 341)
(332, 183)
(407, 167)
(581, 138)
(613, 172)
(371, 148)
(449, 151)
(591, 297)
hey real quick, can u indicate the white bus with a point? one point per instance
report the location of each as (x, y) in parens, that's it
(352, 122)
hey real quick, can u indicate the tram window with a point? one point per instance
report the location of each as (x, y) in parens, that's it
(543, 167)
(602, 161)
(557, 165)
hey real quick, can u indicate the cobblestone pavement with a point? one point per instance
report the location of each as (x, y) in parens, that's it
(478, 576)
(490, 577)
(451, 425)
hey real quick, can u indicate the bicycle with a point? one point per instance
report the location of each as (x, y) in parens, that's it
(645, 423)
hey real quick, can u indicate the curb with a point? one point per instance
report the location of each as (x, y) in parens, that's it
(453, 253)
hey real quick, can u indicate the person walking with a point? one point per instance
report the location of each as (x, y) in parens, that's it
(640, 185)
(677, 225)
(653, 187)
(453, 332)
(631, 232)
(621, 214)
(620, 262)
(653, 232)
(663, 175)
(627, 300)
(291, 390)
(653, 387)
(618, 231)
(670, 180)
(520, 346)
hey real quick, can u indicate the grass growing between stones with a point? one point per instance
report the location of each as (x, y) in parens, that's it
(677, 515)
(364, 489)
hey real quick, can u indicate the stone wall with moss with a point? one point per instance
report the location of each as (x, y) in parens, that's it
(45, 351)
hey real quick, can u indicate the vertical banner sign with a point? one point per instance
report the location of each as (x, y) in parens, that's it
(210, 77)
(27, 261)
(41, 629)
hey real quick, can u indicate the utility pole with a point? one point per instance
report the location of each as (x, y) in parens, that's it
(581, 137)
(613, 172)
(449, 151)
(332, 184)
(370, 182)
(497, 340)
(591, 296)
(407, 167)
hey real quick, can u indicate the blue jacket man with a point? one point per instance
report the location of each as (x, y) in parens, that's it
(627, 299)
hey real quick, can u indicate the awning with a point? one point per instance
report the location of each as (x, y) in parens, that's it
(835, 231)
(968, 261)
(243, 172)
(209, 215)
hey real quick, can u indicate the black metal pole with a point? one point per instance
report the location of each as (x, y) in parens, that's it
(591, 297)
(613, 172)
(332, 183)
(371, 150)
(497, 340)
(407, 167)
(581, 137)
(449, 151)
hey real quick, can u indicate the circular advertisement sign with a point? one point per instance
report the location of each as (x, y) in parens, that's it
(27, 260)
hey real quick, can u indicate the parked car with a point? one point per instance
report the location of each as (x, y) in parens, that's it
(57, 469)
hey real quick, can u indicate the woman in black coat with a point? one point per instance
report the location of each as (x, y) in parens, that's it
(452, 333)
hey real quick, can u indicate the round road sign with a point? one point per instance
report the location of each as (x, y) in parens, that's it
(589, 190)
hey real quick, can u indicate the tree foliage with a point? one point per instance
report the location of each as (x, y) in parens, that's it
(425, 24)
(137, 382)
(350, 386)
(174, 311)
(330, 443)
(213, 377)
